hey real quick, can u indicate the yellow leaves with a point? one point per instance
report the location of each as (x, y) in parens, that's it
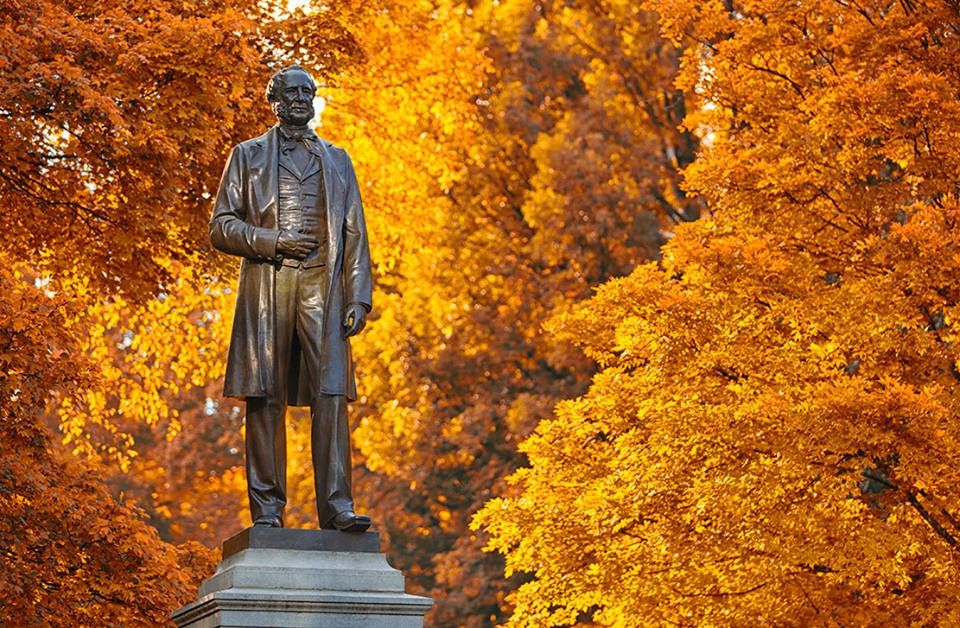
(794, 340)
(107, 210)
(402, 431)
(823, 350)
(453, 428)
(632, 332)
(141, 369)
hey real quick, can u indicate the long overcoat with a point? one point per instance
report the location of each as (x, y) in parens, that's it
(244, 223)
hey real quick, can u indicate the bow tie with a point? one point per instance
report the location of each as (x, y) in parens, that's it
(291, 138)
(298, 136)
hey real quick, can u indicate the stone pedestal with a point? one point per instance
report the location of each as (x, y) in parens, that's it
(280, 577)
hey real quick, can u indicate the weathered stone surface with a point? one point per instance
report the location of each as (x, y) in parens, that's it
(298, 578)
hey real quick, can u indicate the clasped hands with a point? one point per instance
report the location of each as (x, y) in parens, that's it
(298, 246)
(295, 244)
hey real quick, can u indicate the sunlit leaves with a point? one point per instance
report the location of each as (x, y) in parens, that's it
(115, 120)
(510, 157)
(772, 434)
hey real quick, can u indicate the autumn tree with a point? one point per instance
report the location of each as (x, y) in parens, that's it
(511, 156)
(70, 551)
(771, 437)
(114, 119)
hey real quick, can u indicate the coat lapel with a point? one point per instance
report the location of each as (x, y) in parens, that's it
(333, 185)
(263, 177)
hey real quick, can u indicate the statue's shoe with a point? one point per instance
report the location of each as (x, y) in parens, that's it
(349, 521)
(268, 521)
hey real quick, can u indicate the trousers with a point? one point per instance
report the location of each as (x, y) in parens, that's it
(299, 306)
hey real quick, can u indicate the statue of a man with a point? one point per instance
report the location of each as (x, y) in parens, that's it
(289, 205)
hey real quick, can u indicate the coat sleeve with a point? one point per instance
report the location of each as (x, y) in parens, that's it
(357, 274)
(229, 230)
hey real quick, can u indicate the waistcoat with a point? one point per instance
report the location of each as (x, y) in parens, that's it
(301, 206)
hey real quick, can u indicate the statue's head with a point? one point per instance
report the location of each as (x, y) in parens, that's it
(290, 93)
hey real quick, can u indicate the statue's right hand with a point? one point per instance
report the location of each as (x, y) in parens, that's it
(295, 245)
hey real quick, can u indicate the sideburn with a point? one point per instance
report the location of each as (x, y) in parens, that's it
(280, 110)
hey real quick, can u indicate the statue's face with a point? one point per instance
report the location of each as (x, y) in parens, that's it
(295, 104)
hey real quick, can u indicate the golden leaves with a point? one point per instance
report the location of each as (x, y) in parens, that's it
(770, 434)
(116, 122)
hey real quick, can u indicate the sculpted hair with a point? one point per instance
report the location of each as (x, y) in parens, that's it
(277, 81)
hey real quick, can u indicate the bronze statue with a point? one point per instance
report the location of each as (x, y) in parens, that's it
(289, 205)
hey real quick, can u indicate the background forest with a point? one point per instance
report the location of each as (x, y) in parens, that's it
(664, 328)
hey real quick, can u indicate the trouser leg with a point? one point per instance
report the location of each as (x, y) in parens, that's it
(330, 445)
(266, 457)
(329, 431)
(266, 436)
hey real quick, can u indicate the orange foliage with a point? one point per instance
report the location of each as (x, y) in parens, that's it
(771, 437)
(114, 121)
(512, 155)
(767, 435)
(70, 551)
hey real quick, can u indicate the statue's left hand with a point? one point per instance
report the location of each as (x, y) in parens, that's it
(354, 319)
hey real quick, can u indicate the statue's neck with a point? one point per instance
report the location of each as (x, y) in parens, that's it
(293, 128)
